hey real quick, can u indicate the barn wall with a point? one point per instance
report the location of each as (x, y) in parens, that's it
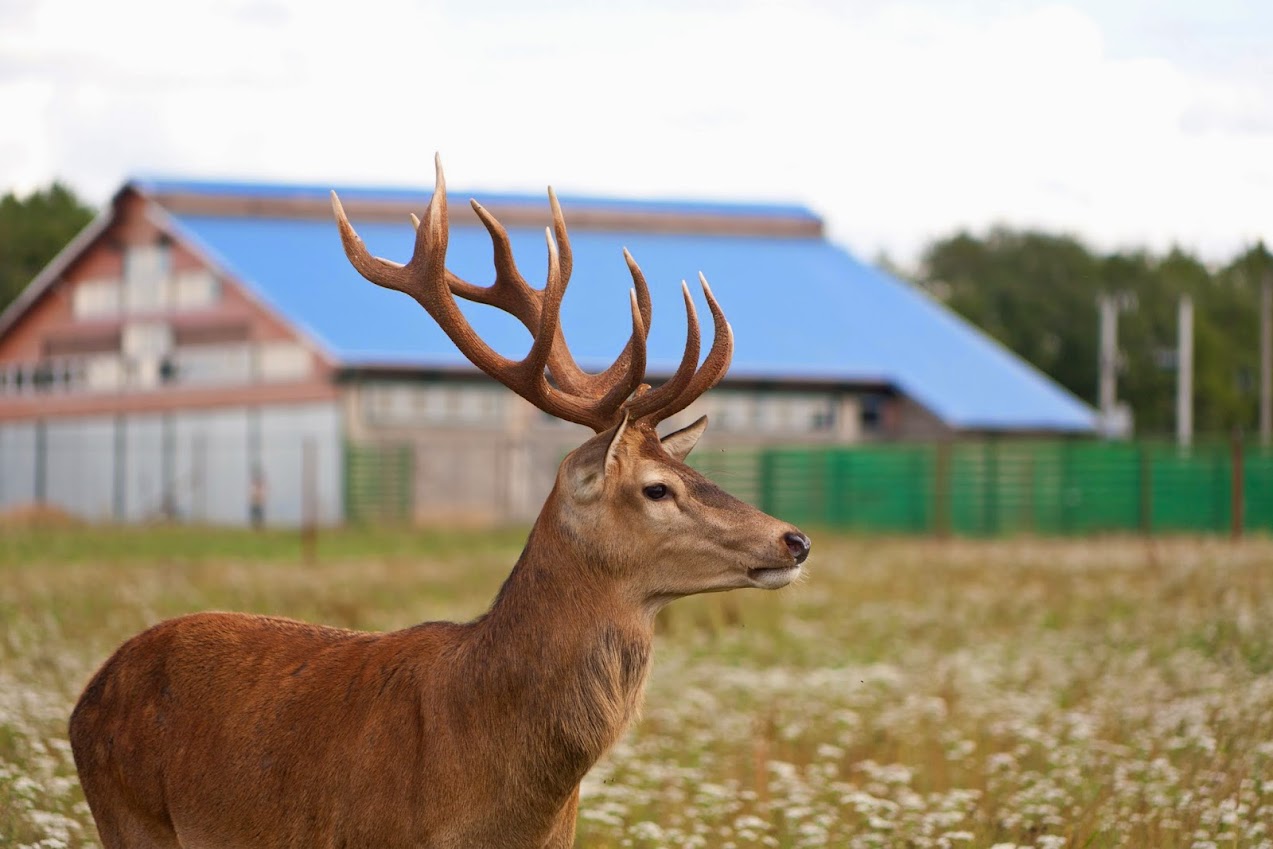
(190, 466)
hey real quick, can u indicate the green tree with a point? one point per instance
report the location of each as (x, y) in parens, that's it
(1036, 293)
(32, 230)
(1027, 290)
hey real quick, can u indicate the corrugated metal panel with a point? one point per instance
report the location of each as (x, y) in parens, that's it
(17, 464)
(211, 464)
(284, 433)
(799, 307)
(81, 466)
(146, 474)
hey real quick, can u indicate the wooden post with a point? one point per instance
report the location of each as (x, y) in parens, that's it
(309, 501)
(1237, 497)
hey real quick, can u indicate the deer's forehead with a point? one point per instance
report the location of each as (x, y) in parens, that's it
(703, 490)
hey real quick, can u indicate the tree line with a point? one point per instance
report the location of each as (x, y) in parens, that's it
(32, 230)
(1034, 292)
(1037, 294)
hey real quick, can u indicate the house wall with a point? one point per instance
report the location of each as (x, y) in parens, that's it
(163, 439)
(184, 465)
(57, 360)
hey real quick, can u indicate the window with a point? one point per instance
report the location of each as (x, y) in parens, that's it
(193, 289)
(146, 340)
(145, 276)
(872, 413)
(733, 411)
(283, 361)
(103, 373)
(406, 404)
(95, 298)
(209, 365)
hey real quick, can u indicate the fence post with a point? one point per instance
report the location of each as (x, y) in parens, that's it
(941, 489)
(992, 487)
(1146, 490)
(119, 468)
(309, 500)
(1237, 494)
(41, 483)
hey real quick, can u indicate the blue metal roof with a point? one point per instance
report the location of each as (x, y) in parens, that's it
(799, 307)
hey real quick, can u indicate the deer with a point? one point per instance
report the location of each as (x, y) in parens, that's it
(246, 731)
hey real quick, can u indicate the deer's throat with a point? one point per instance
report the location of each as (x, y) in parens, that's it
(564, 661)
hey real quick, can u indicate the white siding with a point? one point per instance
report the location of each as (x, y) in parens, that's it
(189, 466)
(144, 483)
(17, 464)
(284, 433)
(80, 466)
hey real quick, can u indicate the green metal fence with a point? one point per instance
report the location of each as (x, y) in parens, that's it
(996, 487)
(378, 482)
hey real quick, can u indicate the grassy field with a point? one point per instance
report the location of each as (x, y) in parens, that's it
(1111, 692)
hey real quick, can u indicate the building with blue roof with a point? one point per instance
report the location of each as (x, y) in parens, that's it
(210, 339)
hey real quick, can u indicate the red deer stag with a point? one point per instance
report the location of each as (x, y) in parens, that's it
(238, 731)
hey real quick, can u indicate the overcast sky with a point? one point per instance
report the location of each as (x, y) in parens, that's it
(1127, 122)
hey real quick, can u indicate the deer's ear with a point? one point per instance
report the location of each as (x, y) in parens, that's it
(680, 443)
(612, 450)
(592, 461)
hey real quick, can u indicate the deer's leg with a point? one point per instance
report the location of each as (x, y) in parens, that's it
(122, 827)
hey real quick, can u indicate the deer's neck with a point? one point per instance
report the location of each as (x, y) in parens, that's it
(561, 660)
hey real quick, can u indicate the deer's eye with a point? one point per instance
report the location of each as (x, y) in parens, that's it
(656, 491)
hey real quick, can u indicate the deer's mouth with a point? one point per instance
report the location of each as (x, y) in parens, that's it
(773, 577)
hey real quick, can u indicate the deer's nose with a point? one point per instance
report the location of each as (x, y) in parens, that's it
(798, 544)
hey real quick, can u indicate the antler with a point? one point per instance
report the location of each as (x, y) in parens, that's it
(596, 400)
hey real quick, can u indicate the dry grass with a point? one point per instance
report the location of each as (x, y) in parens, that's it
(1023, 693)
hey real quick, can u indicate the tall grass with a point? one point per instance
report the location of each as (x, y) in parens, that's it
(1113, 692)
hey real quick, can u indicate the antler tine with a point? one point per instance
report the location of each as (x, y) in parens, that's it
(511, 293)
(650, 402)
(714, 366)
(633, 357)
(427, 280)
(382, 272)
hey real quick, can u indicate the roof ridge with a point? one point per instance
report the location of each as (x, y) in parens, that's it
(160, 186)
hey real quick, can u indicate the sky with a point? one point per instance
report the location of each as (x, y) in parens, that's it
(1128, 123)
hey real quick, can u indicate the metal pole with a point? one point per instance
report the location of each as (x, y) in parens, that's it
(1184, 374)
(1237, 495)
(1108, 361)
(41, 483)
(309, 500)
(120, 470)
(199, 477)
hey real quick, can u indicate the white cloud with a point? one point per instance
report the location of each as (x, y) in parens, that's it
(897, 121)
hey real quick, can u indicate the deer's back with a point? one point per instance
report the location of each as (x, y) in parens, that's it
(212, 724)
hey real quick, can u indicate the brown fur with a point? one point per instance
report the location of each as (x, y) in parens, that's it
(230, 730)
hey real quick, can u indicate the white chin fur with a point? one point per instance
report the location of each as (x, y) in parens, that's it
(772, 579)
